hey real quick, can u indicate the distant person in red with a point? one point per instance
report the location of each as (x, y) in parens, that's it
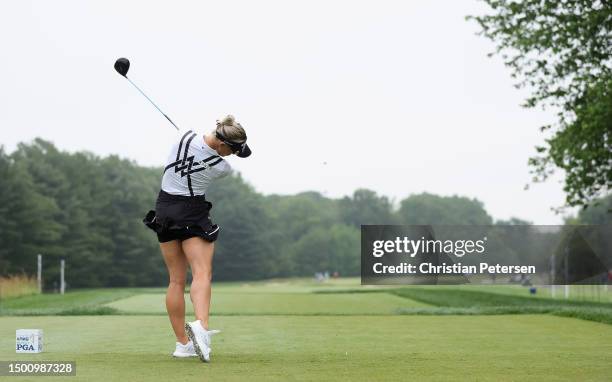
(185, 231)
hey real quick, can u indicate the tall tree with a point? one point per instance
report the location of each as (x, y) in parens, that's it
(246, 249)
(365, 207)
(561, 51)
(597, 213)
(449, 210)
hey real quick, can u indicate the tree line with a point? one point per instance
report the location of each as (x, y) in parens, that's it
(88, 210)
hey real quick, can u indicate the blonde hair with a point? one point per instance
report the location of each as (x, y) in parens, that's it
(230, 129)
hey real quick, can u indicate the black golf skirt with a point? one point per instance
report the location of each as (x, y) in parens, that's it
(178, 217)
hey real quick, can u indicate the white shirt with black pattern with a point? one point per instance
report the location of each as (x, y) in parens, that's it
(192, 166)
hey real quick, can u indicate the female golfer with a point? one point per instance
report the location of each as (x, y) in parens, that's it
(185, 231)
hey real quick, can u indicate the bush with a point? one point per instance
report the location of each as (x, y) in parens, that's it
(18, 285)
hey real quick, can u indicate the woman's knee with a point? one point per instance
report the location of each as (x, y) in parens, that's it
(202, 275)
(177, 281)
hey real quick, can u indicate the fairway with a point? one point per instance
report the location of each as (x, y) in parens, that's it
(137, 348)
(236, 303)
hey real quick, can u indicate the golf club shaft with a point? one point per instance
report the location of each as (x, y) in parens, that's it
(153, 103)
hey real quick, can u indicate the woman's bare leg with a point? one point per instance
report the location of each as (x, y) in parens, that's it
(175, 296)
(199, 254)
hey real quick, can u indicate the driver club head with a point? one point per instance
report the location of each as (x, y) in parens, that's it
(122, 65)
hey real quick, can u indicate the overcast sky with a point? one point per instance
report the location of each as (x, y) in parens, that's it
(395, 96)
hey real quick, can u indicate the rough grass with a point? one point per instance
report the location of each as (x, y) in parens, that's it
(445, 296)
(592, 293)
(444, 300)
(89, 301)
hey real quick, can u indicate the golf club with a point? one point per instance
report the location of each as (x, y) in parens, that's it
(122, 65)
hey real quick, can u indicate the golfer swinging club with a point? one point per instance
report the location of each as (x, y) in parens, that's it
(185, 231)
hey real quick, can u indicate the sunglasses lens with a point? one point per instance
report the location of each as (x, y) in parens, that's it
(236, 147)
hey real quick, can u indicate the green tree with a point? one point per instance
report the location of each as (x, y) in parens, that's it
(346, 244)
(560, 50)
(330, 249)
(513, 221)
(366, 207)
(426, 209)
(29, 218)
(599, 212)
(247, 248)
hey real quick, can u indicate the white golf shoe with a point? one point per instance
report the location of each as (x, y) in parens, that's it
(184, 351)
(201, 339)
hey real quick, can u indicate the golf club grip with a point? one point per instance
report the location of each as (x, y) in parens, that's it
(168, 118)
